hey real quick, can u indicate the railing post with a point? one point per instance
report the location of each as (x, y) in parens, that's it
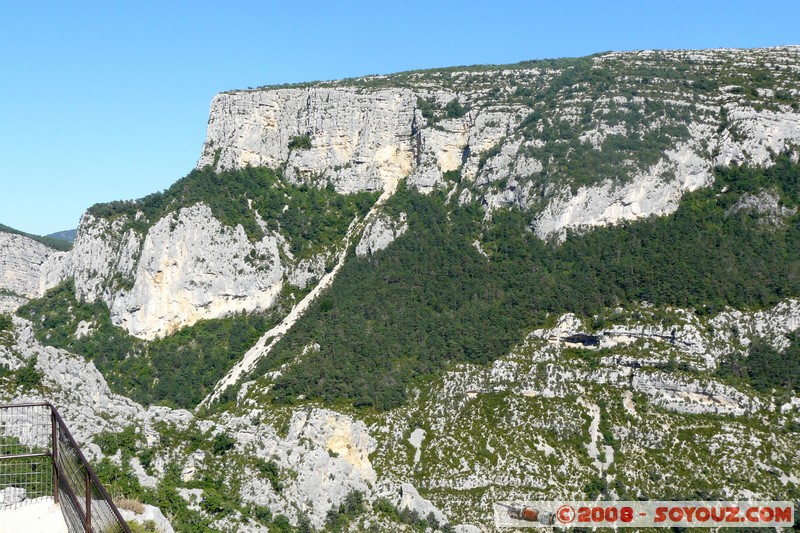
(54, 437)
(67, 496)
(88, 500)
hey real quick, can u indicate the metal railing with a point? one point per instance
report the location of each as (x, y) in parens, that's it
(39, 455)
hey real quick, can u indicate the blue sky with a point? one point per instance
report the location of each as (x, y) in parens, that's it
(109, 100)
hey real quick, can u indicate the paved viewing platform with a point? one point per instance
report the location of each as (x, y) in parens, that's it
(40, 515)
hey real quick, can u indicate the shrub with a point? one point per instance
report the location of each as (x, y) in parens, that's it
(27, 377)
(222, 443)
(147, 527)
(768, 368)
(300, 142)
(426, 108)
(339, 518)
(271, 471)
(261, 513)
(281, 524)
(454, 109)
(130, 505)
(217, 502)
(597, 486)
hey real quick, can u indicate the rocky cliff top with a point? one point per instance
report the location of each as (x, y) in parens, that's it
(579, 142)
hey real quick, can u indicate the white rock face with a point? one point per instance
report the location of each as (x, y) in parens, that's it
(692, 396)
(190, 468)
(380, 233)
(648, 194)
(21, 260)
(192, 267)
(760, 134)
(410, 499)
(188, 267)
(152, 514)
(102, 252)
(439, 151)
(338, 433)
(328, 452)
(12, 495)
(360, 140)
(102, 249)
(415, 439)
(308, 270)
(765, 203)
(9, 304)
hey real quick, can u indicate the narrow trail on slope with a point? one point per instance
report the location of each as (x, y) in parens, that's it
(593, 448)
(261, 348)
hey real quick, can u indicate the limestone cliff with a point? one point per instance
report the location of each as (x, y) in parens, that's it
(187, 267)
(496, 125)
(21, 260)
(573, 144)
(361, 140)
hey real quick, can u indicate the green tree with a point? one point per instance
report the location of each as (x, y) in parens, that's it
(28, 377)
(222, 443)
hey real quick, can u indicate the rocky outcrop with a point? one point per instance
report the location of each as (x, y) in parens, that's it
(365, 134)
(766, 204)
(21, 260)
(103, 255)
(149, 514)
(328, 454)
(192, 267)
(647, 194)
(410, 499)
(308, 270)
(10, 303)
(11, 496)
(360, 140)
(339, 434)
(379, 234)
(187, 267)
(693, 396)
(753, 135)
(728, 331)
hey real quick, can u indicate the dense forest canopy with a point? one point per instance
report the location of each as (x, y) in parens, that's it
(432, 298)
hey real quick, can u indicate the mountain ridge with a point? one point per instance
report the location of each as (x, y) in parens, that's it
(521, 151)
(50, 241)
(580, 281)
